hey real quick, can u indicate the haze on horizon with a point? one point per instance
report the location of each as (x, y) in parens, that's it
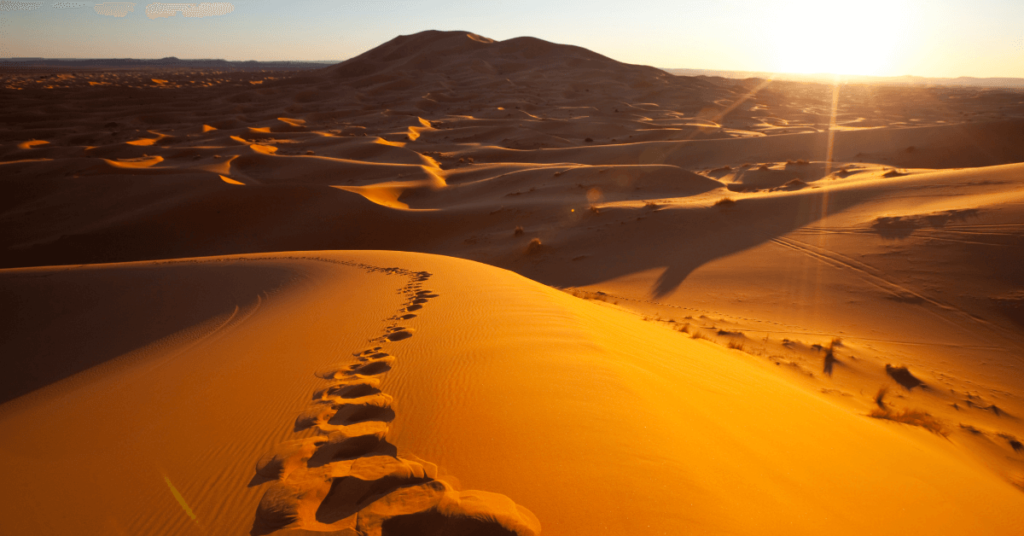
(941, 38)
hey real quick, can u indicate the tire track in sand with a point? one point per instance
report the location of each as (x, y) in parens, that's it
(943, 311)
(349, 480)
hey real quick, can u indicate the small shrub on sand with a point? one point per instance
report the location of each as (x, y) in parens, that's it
(903, 377)
(587, 295)
(970, 429)
(519, 231)
(735, 345)
(880, 399)
(830, 356)
(912, 417)
(725, 202)
(1017, 446)
(534, 246)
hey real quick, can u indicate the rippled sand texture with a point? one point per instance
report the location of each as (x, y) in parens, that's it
(461, 286)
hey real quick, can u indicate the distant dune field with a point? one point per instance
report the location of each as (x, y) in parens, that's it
(463, 286)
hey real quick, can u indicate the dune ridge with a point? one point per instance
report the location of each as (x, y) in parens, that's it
(656, 303)
(667, 424)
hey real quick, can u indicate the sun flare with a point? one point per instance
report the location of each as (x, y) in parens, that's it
(839, 37)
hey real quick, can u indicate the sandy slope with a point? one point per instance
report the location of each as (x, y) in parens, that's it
(763, 258)
(595, 421)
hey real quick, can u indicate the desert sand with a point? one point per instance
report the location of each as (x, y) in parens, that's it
(464, 286)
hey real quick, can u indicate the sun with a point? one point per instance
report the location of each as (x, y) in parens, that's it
(839, 37)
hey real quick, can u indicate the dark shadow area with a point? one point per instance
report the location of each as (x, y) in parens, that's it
(258, 479)
(895, 227)
(351, 449)
(904, 377)
(349, 495)
(830, 362)
(741, 227)
(353, 413)
(433, 523)
(398, 335)
(900, 227)
(57, 323)
(996, 410)
(353, 391)
(371, 369)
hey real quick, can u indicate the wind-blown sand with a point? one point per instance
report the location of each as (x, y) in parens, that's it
(186, 351)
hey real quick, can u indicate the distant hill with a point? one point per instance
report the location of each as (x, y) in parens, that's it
(907, 80)
(447, 53)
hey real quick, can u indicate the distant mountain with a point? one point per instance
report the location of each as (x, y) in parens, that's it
(906, 80)
(439, 68)
(435, 51)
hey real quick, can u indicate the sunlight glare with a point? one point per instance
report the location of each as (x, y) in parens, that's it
(859, 38)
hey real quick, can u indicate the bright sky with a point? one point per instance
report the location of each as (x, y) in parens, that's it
(937, 38)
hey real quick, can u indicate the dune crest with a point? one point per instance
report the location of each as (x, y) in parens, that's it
(656, 304)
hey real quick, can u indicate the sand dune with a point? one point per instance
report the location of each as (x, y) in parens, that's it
(295, 402)
(732, 307)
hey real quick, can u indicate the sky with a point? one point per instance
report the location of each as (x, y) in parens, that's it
(934, 38)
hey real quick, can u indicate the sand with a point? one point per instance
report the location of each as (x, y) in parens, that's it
(462, 286)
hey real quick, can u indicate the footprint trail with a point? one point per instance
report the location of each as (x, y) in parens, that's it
(349, 480)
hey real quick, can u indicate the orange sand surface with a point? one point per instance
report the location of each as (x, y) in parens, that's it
(585, 415)
(464, 286)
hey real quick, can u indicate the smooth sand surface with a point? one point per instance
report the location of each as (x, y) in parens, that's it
(459, 286)
(585, 415)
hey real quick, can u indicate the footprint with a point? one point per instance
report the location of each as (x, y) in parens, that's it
(339, 375)
(398, 336)
(349, 496)
(360, 482)
(372, 368)
(455, 513)
(329, 392)
(319, 413)
(287, 457)
(357, 390)
(349, 414)
(377, 355)
(396, 333)
(359, 439)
